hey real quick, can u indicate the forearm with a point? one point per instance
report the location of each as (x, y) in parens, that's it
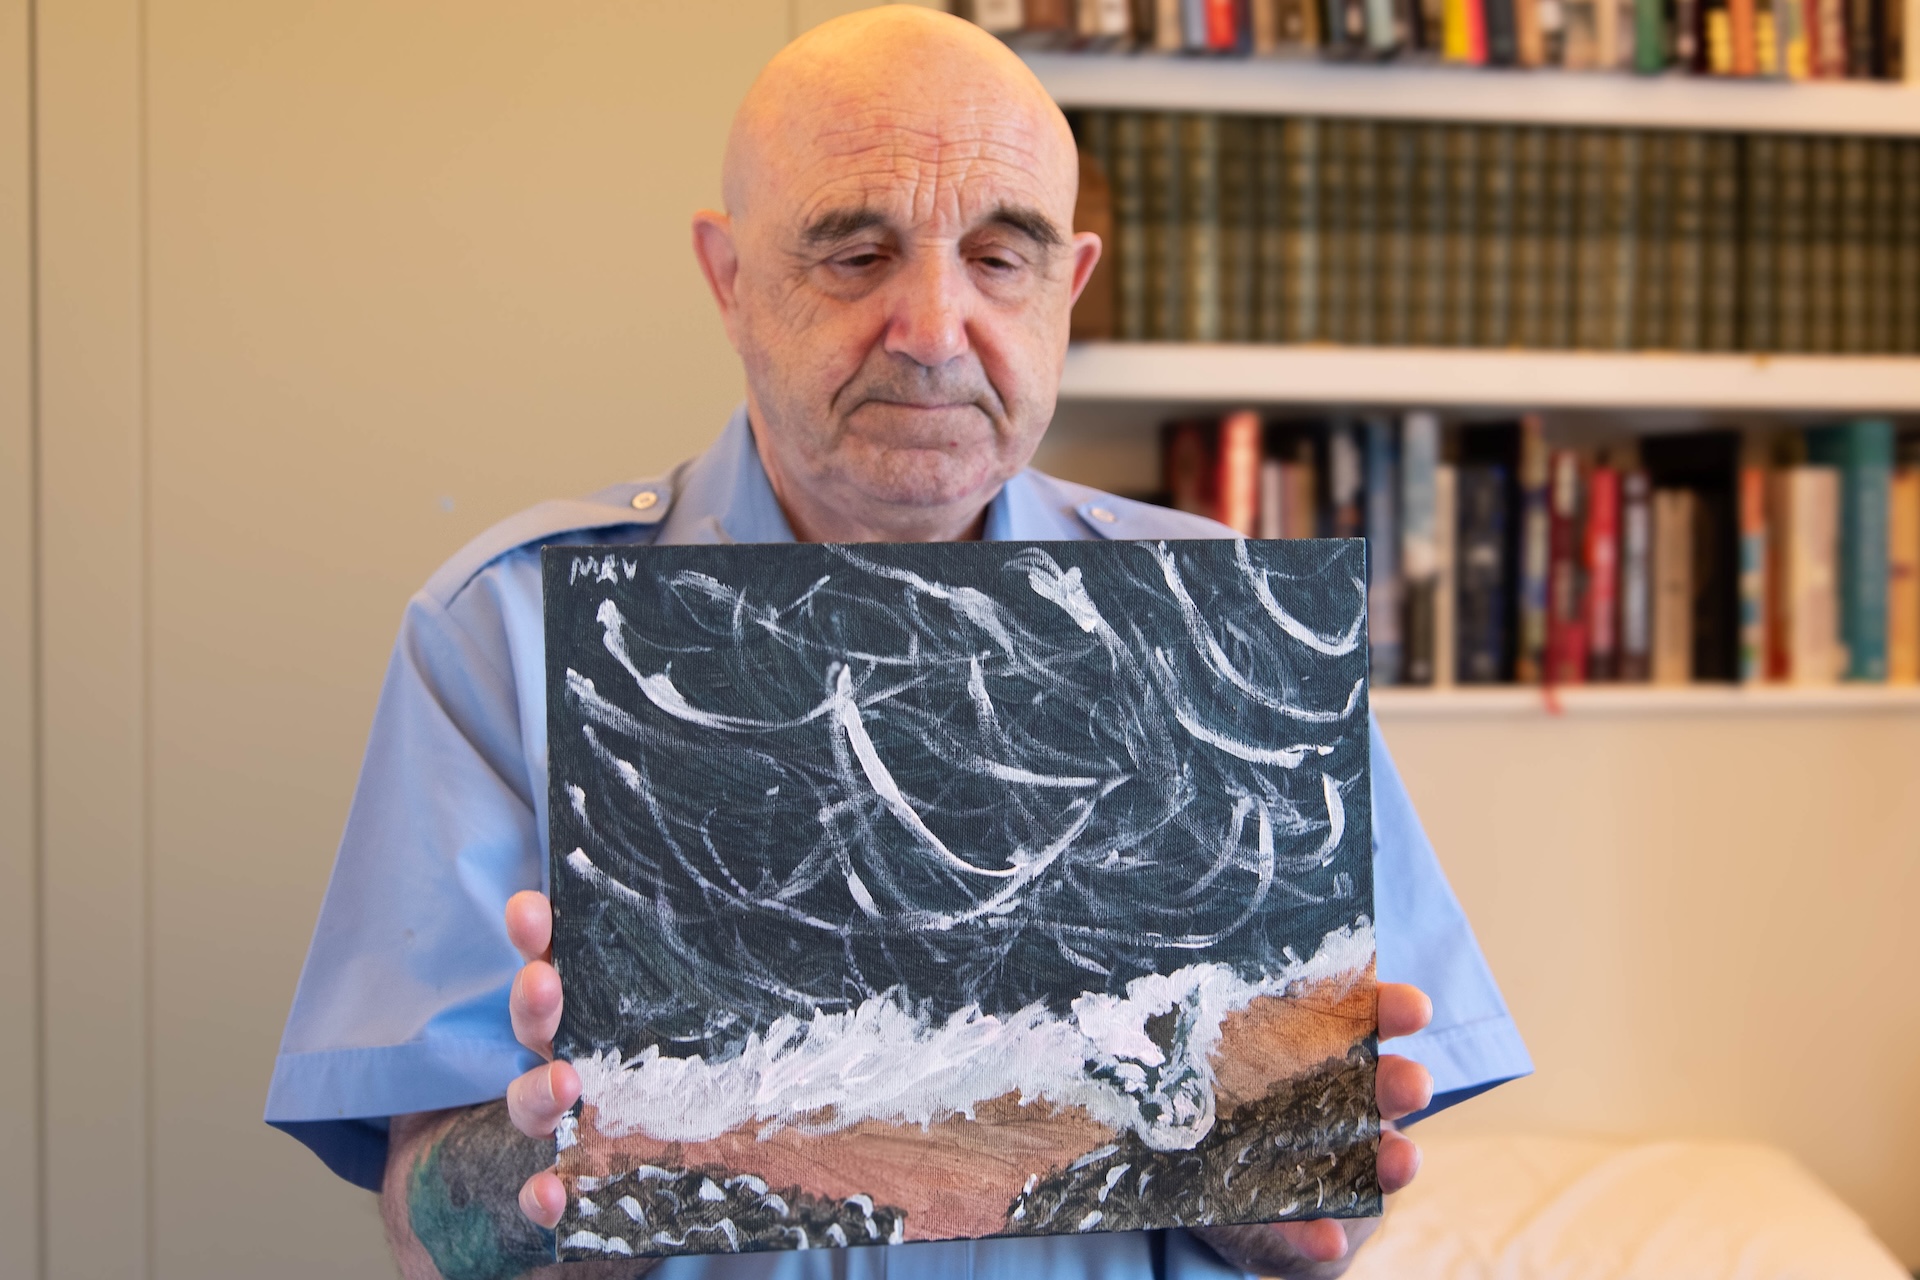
(450, 1201)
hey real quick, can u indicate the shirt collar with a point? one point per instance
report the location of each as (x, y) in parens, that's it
(724, 496)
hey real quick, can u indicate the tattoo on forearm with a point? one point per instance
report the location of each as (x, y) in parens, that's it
(463, 1197)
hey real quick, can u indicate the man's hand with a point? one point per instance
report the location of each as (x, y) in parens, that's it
(1323, 1248)
(538, 1099)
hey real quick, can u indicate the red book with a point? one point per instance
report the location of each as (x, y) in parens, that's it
(1566, 597)
(1223, 25)
(1189, 456)
(1603, 574)
(1477, 32)
(1238, 488)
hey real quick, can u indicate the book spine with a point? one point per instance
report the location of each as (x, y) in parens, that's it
(1530, 38)
(1529, 267)
(1162, 171)
(1823, 250)
(1863, 26)
(1383, 554)
(1239, 247)
(1169, 26)
(1399, 170)
(1790, 247)
(1553, 33)
(1602, 568)
(1896, 41)
(1336, 232)
(1766, 40)
(1535, 554)
(1002, 17)
(1653, 310)
(1623, 240)
(1222, 19)
(1796, 50)
(1265, 22)
(1606, 29)
(1272, 214)
(1811, 589)
(1853, 246)
(1273, 498)
(1672, 586)
(1862, 452)
(1743, 57)
(1237, 504)
(1685, 262)
(1346, 513)
(1754, 559)
(1129, 226)
(1720, 247)
(1592, 243)
(1462, 232)
(1906, 232)
(1199, 305)
(1454, 44)
(1362, 157)
(1559, 295)
(1301, 273)
(1446, 527)
(1580, 47)
(1419, 563)
(1430, 238)
(1636, 577)
(1503, 35)
(1494, 237)
(1193, 25)
(1477, 32)
(1758, 302)
(1189, 456)
(1882, 262)
(1830, 44)
(1566, 587)
(1684, 34)
(1384, 25)
(1716, 37)
(1483, 574)
(1903, 576)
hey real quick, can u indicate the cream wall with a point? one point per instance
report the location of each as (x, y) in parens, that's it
(320, 291)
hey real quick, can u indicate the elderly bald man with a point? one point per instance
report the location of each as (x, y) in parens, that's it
(895, 267)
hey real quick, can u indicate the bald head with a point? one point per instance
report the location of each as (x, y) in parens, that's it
(895, 266)
(896, 77)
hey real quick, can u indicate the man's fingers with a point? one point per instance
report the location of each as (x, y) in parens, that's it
(1398, 1161)
(530, 925)
(533, 1005)
(543, 1198)
(1322, 1240)
(1401, 1086)
(537, 1100)
(1403, 1010)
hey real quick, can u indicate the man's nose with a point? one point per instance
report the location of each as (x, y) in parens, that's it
(928, 321)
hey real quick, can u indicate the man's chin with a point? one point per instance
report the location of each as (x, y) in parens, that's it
(927, 479)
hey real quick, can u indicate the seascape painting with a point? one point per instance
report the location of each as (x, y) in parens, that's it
(959, 890)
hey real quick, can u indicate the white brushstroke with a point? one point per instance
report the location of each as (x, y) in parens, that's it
(631, 1207)
(1069, 592)
(882, 1061)
(1332, 646)
(605, 1244)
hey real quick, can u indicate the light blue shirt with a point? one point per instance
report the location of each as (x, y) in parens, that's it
(402, 1005)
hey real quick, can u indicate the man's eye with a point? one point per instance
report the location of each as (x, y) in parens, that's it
(858, 261)
(997, 263)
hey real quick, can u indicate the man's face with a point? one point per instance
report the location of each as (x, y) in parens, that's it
(901, 302)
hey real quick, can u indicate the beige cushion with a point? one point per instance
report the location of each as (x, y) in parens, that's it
(1580, 1209)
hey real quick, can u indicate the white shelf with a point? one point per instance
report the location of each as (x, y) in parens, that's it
(1607, 700)
(1438, 378)
(1306, 86)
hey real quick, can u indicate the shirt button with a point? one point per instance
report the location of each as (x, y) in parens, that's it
(644, 499)
(1101, 514)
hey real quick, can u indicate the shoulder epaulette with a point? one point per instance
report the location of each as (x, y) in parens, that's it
(635, 509)
(1125, 519)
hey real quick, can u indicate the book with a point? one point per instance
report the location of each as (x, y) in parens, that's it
(1169, 26)
(1796, 51)
(1126, 140)
(1864, 20)
(1906, 232)
(1384, 646)
(1862, 453)
(1534, 546)
(1493, 235)
(1566, 657)
(1477, 32)
(1580, 41)
(1238, 289)
(1754, 560)
(1503, 35)
(1222, 26)
(1652, 322)
(1419, 544)
(1559, 294)
(1430, 216)
(1553, 33)
(1707, 465)
(1385, 29)
(1344, 514)
(1758, 305)
(1530, 39)
(1716, 38)
(1199, 252)
(1455, 42)
(1002, 17)
(1903, 575)
(1673, 643)
(1808, 625)
(1601, 569)
(1790, 246)
(1882, 255)
(1462, 238)
(1104, 23)
(1263, 17)
(1271, 213)
(1047, 22)
(1163, 170)
(1823, 249)
(1446, 526)
(1528, 270)
(1636, 577)
(1743, 57)
(1481, 642)
(1686, 262)
(1620, 265)
(1591, 241)
(1094, 311)
(1720, 246)
(1766, 39)
(1237, 490)
(1853, 245)
(1361, 153)
(1337, 249)
(1683, 35)
(1189, 466)
(1301, 270)
(1273, 498)
(1394, 231)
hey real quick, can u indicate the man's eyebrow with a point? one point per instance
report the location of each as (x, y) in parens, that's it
(838, 224)
(1031, 223)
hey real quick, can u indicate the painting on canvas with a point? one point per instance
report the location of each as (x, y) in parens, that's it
(923, 892)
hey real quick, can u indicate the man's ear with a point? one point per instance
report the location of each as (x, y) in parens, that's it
(719, 260)
(1086, 256)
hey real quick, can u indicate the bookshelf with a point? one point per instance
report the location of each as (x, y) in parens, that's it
(1178, 373)
(1309, 86)
(1527, 702)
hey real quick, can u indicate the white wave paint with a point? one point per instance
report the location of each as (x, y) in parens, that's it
(1332, 646)
(883, 1062)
